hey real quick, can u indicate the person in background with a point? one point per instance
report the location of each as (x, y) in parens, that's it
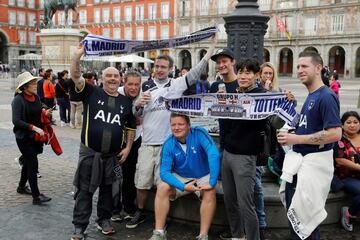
(325, 75)
(49, 89)
(184, 71)
(201, 86)
(39, 85)
(185, 171)
(347, 168)
(26, 117)
(62, 97)
(268, 77)
(334, 84)
(89, 78)
(76, 106)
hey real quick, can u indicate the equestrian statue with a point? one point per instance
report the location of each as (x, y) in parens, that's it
(51, 6)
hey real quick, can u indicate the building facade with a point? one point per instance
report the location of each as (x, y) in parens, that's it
(330, 27)
(118, 19)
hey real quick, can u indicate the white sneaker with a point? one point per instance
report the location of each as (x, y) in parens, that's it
(62, 124)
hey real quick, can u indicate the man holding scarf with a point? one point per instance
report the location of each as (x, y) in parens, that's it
(107, 116)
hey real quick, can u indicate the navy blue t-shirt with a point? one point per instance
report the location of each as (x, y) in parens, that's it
(320, 111)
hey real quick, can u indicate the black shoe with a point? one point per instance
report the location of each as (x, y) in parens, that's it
(138, 218)
(105, 227)
(41, 199)
(24, 190)
(226, 235)
(78, 234)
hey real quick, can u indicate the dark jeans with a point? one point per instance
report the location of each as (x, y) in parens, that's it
(352, 185)
(64, 109)
(29, 151)
(49, 102)
(127, 185)
(289, 193)
(83, 206)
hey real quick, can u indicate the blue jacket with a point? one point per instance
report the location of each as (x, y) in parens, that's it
(200, 159)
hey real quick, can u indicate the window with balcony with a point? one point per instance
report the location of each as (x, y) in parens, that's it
(139, 12)
(152, 33)
(223, 7)
(310, 25)
(140, 33)
(337, 23)
(128, 16)
(12, 17)
(96, 1)
(21, 3)
(265, 5)
(117, 33)
(106, 15)
(285, 4)
(32, 38)
(106, 32)
(83, 17)
(11, 2)
(31, 4)
(128, 33)
(311, 3)
(21, 19)
(22, 37)
(152, 11)
(31, 19)
(164, 31)
(117, 14)
(82, 2)
(185, 8)
(185, 30)
(165, 10)
(96, 15)
(204, 7)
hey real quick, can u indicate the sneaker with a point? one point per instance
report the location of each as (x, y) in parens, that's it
(116, 218)
(23, 190)
(38, 175)
(78, 234)
(62, 124)
(41, 199)
(138, 218)
(158, 236)
(202, 237)
(345, 219)
(72, 125)
(128, 216)
(226, 236)
(105, 227)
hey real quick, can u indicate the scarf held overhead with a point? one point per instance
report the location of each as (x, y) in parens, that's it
(100, 46)
(250, 106)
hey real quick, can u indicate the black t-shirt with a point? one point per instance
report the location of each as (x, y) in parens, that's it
(224, 124)
(105, 119)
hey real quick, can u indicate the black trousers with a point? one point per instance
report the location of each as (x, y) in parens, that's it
(84, 198)
(29, 151)
(83, 206)
(128, 185)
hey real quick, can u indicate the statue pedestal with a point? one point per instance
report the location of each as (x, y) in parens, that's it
(58, 46)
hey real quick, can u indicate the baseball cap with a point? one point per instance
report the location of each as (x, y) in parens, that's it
(223, 51)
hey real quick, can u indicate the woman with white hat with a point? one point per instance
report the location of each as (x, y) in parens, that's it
(26, 117)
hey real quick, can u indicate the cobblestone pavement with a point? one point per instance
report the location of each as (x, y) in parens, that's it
(20, 220)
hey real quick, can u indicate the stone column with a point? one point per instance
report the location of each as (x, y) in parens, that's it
(246, 28)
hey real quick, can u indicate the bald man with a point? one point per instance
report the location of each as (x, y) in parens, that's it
(107, 116)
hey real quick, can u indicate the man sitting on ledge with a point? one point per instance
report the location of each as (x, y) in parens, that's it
(190, 163)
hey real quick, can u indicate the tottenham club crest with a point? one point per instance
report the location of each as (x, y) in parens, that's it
(311, 104)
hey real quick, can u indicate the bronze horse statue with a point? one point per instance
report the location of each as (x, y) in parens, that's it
(51, 6)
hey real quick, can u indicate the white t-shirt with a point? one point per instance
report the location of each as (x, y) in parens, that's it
(156, 123)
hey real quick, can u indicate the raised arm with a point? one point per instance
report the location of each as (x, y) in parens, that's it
(194, 74)
(76, 77)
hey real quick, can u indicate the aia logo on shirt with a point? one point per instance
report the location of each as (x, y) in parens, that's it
(311, 104)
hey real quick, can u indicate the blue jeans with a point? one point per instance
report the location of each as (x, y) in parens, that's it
(352, 185)
(289, 193)
(259, 199)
